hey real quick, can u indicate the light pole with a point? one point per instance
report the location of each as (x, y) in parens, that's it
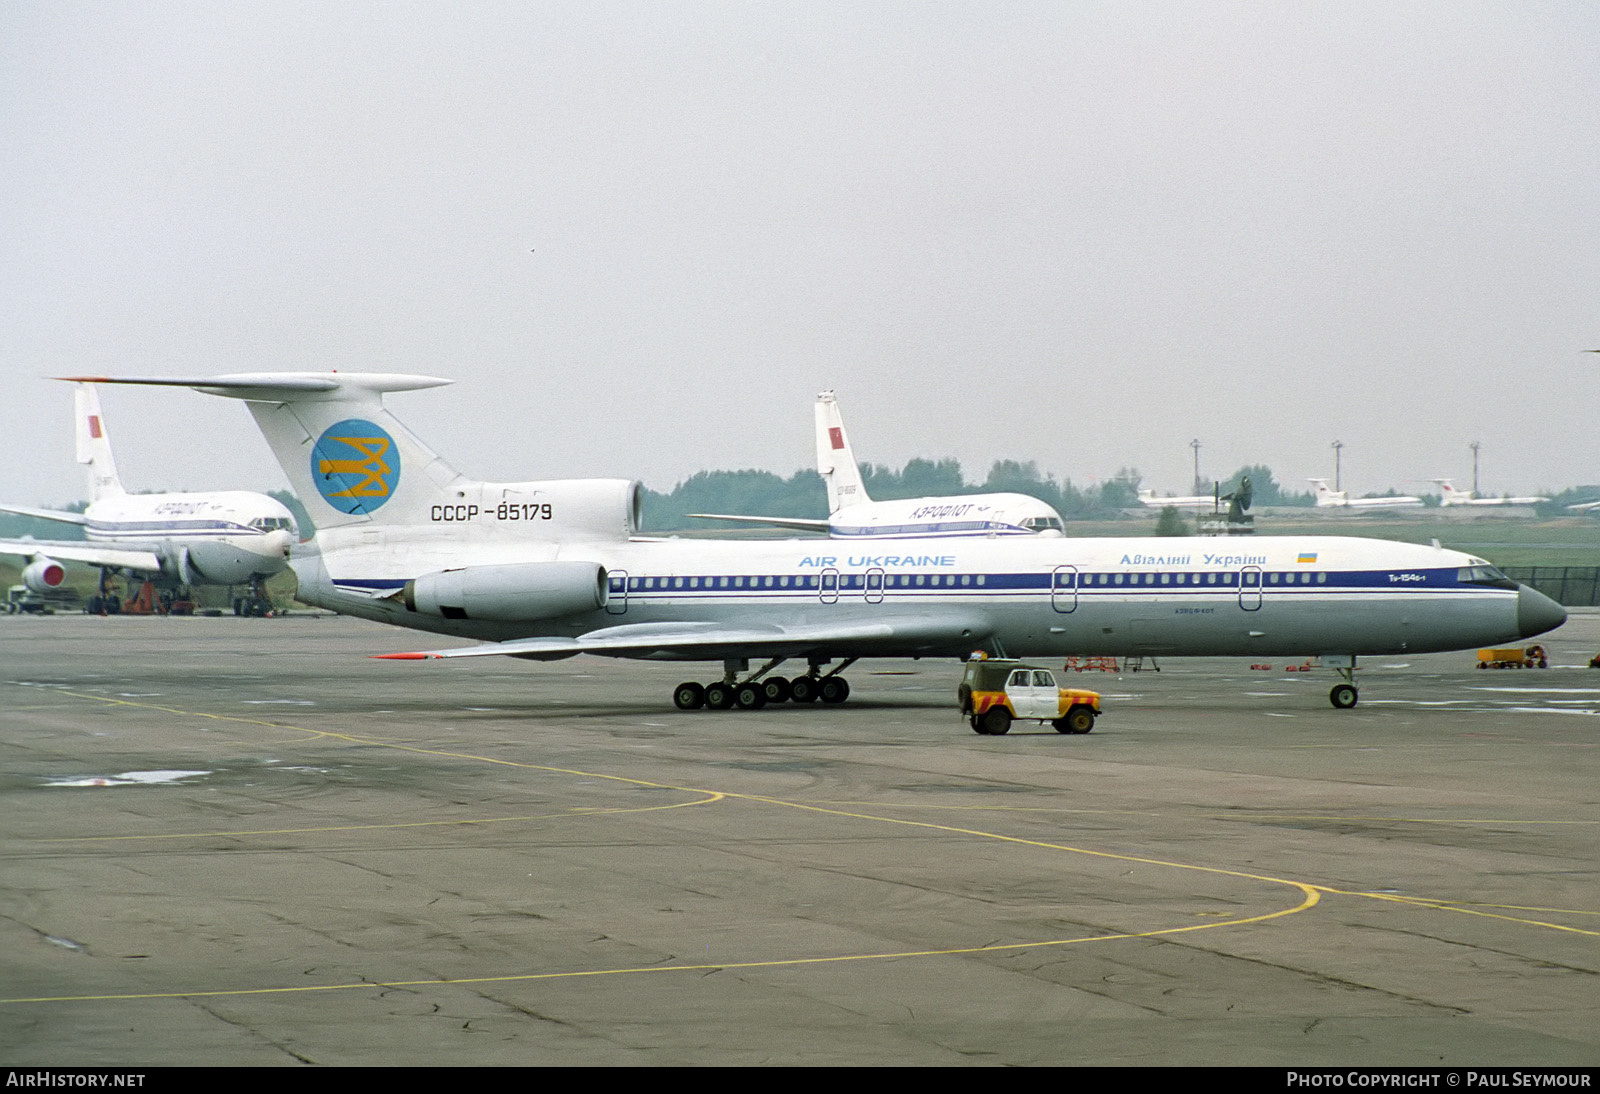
(1338, 447)
(1474, 446)
(1195, 444)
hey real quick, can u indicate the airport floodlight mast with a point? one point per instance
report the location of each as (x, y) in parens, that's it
(1338, 449)
(1474, 446)
(1198, 485)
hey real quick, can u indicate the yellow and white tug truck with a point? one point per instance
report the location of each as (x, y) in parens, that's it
(995, 691)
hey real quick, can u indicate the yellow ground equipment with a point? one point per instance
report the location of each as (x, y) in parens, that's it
(1532, 657)
(995, 691)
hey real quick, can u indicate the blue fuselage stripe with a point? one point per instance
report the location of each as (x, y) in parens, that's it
(1087, 584)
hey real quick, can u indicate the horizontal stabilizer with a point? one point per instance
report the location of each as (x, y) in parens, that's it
(277, 387)
(799, 524)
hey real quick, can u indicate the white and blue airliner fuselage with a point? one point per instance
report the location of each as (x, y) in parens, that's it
(549, 569)
(1270, 596)
(219, 537)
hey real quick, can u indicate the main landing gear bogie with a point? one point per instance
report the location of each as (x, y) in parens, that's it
(760, 690)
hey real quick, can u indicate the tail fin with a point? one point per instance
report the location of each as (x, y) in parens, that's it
(349, 460)
(835, 462)
(94, 446)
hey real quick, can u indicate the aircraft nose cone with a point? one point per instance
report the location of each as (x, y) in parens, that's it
(1537, 613)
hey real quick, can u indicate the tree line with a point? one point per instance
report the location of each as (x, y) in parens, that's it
(762, 493)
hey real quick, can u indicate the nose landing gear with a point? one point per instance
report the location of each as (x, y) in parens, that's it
(1343, 696)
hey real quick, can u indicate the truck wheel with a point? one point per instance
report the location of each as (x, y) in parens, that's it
(996, 721)
(1078, 719)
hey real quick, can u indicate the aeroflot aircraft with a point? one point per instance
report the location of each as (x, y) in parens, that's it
(853, 515)
(1208, 501)
(546, 570)
(220, 538)
(1451, 496)
(1329, 499)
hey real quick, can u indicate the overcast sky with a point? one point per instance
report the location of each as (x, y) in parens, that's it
(642, 236)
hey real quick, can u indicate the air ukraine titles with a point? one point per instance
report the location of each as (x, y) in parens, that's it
(880, 560)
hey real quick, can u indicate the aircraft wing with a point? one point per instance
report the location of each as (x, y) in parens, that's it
(89, 553)
(45, 514)
(905, 635)
(798, 523)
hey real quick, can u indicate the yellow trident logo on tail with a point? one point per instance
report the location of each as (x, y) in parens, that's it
(372, 468)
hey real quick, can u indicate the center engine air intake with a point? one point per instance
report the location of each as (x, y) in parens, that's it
(511, 593)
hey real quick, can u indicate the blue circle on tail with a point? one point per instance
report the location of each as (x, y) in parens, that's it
(356, 466)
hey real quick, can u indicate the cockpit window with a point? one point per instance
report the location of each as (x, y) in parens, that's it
(273, 524)
(1484, 575)
(1043, 524)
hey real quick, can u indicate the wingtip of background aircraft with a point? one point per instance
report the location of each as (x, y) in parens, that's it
(403, 656)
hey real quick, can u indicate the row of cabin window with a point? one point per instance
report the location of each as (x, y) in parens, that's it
(803, 581)
(1302, 577)
(906, 581)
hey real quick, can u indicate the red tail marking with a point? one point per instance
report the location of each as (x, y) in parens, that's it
(836, 435)
(94, 426)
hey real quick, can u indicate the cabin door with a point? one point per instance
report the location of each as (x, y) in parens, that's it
(1064, 589)
(1250, 588)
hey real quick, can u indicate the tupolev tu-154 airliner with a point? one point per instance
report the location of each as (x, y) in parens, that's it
(545, 570)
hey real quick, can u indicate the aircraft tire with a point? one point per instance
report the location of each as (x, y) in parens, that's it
(778, 689)
(719, 697)
(750, 696)
(834, 689)
(803, 689)
(996, 721)
(1343, 696)
(1078, 719)
(689, 696)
